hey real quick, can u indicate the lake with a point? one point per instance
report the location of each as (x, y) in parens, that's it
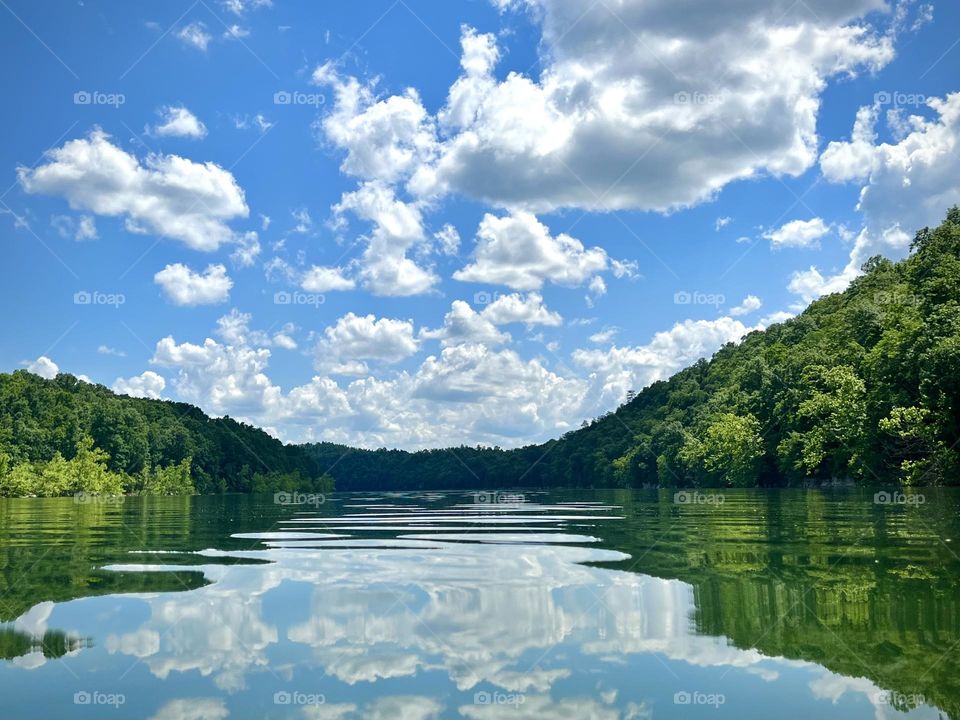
(560, 604)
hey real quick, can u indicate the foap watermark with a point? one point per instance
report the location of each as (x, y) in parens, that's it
(514, 700)
(101, 699)
(82, 498)
(295, 697)
(498, 498)
(899, 699)
(687, 97)
(296, 97)
(284, 297)
(485, 297)
(896, 497)
(897, 99)
(96, 97)
(684, 697)
(299, 498)
(692, 497)
(896, 298)
(95, 297)
(695, 297)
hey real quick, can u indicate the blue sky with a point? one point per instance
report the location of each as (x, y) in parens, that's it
(417, 224)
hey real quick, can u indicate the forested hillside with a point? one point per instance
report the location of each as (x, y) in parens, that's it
(63, 436)
(864, 385)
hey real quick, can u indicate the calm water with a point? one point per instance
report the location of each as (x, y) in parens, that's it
(569, 605)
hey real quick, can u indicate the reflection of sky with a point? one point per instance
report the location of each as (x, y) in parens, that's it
(417, 629)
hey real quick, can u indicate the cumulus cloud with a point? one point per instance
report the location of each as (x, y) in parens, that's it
(385, 268)
(383, 139)
(234, 329)
(166, 195)
(145, 385)
(470, 391)
(751, 303)
(183, 286)
(178, 121)
(515, 308)
(798, 233)
(44, 367)
(641, 106)
(518, 251)
(905, 186)
(325, 279)
(358, 338)
(463, 324)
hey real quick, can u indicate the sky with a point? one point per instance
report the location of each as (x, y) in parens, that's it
(404, 223)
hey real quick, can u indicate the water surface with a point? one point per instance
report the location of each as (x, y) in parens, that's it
(586, 604)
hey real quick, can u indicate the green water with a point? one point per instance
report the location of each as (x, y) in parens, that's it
(586, 604)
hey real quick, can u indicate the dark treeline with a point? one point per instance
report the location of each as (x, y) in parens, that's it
(864, 385)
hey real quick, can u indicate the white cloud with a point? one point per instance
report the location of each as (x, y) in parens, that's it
(619, 369)
(247, 251)
(86, 228)
(905, 186)
(258, 121)
(385, 268)
(107, 350)
(641, 106)
(751, 303)
(166, 195)
(811, 284)
(44, 367)
(518, 251)
(384, 140)
(178, 121)
(183, 286)
(146, 385)
(469, 392)
(515, 308)
(222, 378)
(234, 328)
(196, 35)
(325, 279)
(239, 7)
(464, 325)
(448, 239)
(604, 336)
(798, 233)
(356, 337)
(721, 223)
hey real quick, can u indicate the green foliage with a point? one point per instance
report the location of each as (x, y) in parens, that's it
(86, 472)
(169, 480)
(729, 453)
(290, 482)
